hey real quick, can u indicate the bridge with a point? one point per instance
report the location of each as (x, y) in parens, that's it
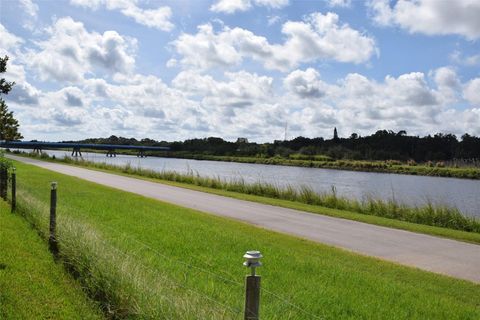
(76, 147)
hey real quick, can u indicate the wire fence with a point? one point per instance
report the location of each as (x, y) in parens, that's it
(85, 250)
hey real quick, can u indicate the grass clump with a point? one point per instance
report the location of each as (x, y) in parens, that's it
(151, 260)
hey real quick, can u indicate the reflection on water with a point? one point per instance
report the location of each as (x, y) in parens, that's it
(413, 190)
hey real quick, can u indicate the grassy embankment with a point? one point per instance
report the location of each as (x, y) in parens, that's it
(142, 258)
(429, 219)
(32, 285)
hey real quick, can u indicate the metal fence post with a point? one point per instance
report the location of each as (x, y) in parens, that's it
(52, 240)
(14, 189)
(252, 285)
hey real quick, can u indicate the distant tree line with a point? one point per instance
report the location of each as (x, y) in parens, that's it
(382, 145)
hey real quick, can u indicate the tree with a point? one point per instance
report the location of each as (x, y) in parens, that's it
(8, 124)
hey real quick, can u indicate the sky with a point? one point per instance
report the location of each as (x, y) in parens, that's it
(180, 69)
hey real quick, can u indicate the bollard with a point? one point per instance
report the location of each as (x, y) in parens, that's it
(14, 189)
(252, 285)
(52, 240)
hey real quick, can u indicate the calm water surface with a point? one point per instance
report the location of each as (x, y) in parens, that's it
(413, 190)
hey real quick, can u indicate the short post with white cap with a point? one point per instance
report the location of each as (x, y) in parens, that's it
(52, 240)
(252, 285)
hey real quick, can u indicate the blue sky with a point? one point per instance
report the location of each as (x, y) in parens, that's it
(173, 70)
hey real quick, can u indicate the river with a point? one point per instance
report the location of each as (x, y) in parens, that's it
(412, 190)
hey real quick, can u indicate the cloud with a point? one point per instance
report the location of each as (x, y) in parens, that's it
(239, 90)
(22, 92)
(71, 52)
(73, 96)
(447, 83)
(431, 17)
(8, 41)
(317, 37)
(339, 3)
(321, 36)
(30, 10)
(273, 20)
(305, 84)
(418, 103)
(465, 60)
(277, 4)
(69, 117)
(29, 7)
(471, 92)
(232, 6)
(158, 18)
(247, 104)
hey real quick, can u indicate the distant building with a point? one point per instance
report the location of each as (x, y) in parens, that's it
(335, 134)
(242, 140)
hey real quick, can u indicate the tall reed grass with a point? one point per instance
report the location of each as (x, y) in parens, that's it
(429, 214)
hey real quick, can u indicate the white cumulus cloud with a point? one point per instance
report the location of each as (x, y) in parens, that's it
(71, 52)
(8, 41)
(471, 92)
(305, 84)
(431, 17)
(158, 18)
(318, 37)
(232, 6)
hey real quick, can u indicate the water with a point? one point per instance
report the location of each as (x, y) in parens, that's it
(412, 190)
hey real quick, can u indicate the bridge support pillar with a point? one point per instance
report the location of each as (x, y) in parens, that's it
(76, 152)
(111, 153)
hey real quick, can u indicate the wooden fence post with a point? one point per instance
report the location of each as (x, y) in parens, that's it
(14, 189)
(3, 182)
(52, 240)
(252, 286)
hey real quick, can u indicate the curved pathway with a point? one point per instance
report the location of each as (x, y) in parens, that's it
(450, 257)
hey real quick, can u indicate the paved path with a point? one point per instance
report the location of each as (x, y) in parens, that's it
(454, 258)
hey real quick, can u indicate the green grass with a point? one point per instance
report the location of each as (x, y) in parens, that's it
(147, 259)
(32, 285)
(434, 220)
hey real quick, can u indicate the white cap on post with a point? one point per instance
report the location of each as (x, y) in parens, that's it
(252, 260)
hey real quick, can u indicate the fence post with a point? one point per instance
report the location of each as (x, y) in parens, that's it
(252, 285)
(52, 240)
(14, 189)
(3, 182)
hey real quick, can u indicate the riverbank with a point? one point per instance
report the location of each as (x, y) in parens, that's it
(149, 259)
(32, 285)
(430, 219)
